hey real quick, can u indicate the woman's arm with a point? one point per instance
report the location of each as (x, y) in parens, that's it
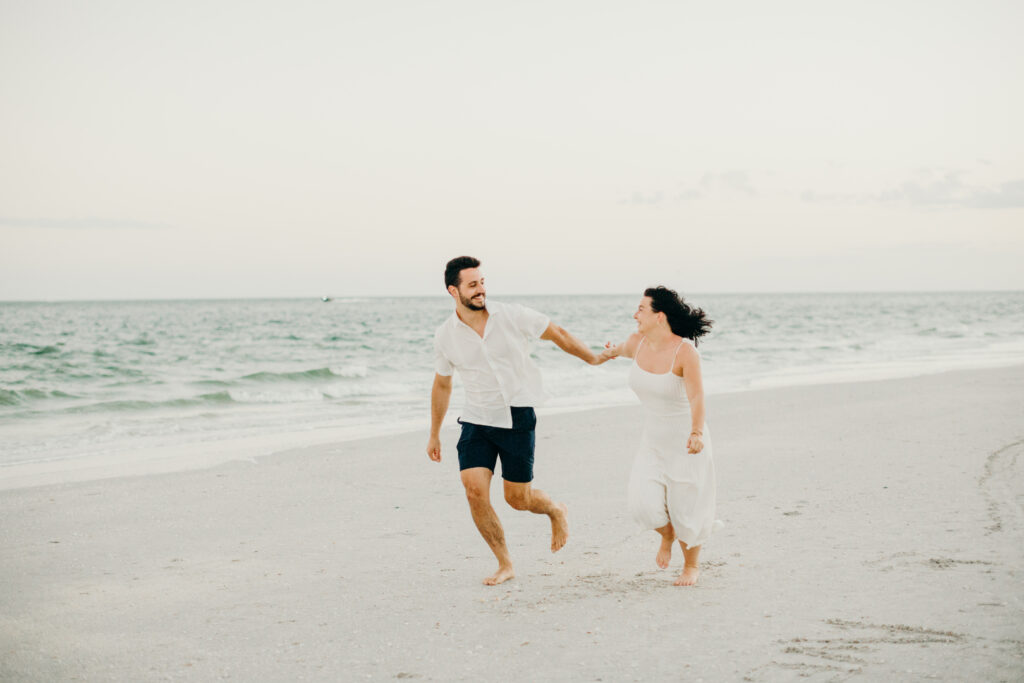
(688, 365)
(627, 348)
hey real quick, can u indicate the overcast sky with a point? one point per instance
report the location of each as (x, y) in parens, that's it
(226, 149)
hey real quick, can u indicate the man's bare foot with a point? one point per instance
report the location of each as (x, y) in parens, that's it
(559, 527)
(665, 552)
(501, 576)
(688, 577)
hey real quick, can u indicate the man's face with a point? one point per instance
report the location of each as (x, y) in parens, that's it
(471, 292)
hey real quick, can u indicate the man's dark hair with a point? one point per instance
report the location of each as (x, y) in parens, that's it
(452, 271)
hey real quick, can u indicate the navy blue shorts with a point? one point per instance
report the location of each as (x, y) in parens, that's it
(481, 446)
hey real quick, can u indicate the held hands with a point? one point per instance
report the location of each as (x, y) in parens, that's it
(434, 448)
(695, 444)
(610, 351)
(602, 357)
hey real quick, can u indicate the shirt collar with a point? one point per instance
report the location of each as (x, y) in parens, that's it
(456, 320)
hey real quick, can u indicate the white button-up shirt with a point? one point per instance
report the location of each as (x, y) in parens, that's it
(496, 370)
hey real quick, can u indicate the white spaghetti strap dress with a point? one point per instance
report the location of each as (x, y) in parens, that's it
(667, 483)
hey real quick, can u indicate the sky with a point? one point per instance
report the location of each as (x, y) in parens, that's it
(254, 149)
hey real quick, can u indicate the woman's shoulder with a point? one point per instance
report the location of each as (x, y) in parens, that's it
(687, 343)
(687, 348)
(686, 354)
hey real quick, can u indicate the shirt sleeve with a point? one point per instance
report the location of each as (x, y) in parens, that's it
(530, 322)
(442, 365)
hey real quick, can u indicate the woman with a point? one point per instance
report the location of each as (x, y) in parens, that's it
(672, 485)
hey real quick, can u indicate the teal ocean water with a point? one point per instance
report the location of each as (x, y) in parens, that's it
(118, 379)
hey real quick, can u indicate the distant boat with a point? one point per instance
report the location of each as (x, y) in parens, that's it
(325, 299)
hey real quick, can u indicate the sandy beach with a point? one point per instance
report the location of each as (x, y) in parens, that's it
(874, 531)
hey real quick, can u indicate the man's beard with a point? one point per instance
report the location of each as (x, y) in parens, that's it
(468, 303)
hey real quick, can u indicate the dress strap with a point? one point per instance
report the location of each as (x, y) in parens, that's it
(676, 353)
(636, 356)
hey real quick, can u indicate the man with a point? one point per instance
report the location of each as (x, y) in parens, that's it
(489, 345)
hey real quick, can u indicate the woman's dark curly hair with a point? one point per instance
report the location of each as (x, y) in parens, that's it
(685, 320)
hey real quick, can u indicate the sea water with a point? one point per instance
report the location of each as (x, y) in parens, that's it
(121, 380)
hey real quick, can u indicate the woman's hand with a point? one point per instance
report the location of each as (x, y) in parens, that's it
(695, 444)
(610, 351)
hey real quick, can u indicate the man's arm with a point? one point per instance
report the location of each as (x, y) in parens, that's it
(571, 344)
(440, 395)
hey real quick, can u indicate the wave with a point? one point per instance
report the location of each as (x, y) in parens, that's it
(31, 349)
(345, 372)
(17, 398)
(46, 351)
(296, 396)
(350, 371)
(142, 340)
(298, 376)
(322, 393)
(317, 384)
(240, 396)
(380, 389)
(215, 398)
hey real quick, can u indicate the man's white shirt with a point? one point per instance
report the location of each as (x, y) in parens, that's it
(496, 370)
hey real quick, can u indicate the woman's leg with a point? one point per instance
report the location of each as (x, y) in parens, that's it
(668, 538)
(691, 570)
(647, 506)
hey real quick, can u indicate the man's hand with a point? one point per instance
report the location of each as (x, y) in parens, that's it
(440, 394)
(434, 448)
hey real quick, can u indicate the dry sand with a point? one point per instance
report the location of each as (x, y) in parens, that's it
(874, 531)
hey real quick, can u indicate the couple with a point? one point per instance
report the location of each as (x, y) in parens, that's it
(672, 485)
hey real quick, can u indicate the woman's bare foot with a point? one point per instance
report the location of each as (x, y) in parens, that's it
(501, 576)
(688, 577)
(559, 527)
(665, 552)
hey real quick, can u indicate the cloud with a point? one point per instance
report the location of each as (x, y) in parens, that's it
(80, 224)
(1006, 196)
(735, 181)
(928, 189)
(728, 183)
(945, 191)
(815, 197)
(643, 199)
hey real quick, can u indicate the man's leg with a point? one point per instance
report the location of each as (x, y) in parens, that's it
(477, 481)
(522, 496)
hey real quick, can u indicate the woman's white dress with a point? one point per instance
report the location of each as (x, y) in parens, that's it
(667, 483)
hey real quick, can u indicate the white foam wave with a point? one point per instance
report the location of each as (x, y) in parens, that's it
(294, 396)
(350, 371)
(366, 389)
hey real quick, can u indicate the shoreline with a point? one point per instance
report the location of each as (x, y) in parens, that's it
(190, 456)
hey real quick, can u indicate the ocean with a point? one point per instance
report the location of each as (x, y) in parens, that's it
(121, 381)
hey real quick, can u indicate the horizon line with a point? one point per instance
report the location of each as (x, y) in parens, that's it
(333, 297)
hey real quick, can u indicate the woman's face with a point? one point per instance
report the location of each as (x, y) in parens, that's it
(646, 319)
